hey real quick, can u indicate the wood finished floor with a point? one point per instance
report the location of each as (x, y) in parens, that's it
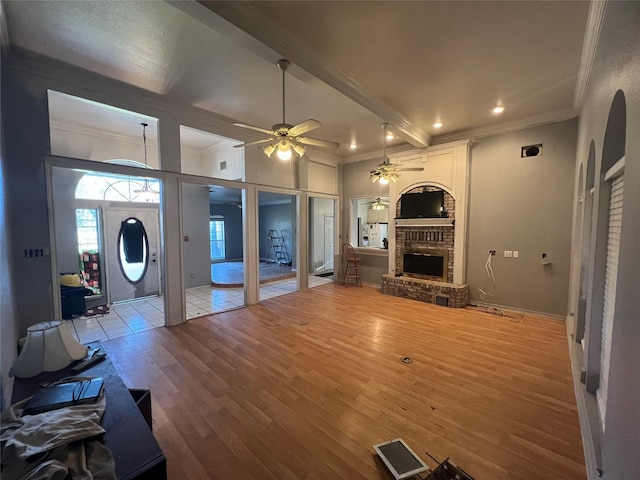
(301, 387)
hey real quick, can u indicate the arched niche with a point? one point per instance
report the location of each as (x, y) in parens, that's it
(603, 270)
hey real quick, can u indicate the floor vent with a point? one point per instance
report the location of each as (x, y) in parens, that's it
(443, 301)
(401, 461)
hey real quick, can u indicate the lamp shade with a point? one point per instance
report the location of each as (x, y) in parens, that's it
(49, 347)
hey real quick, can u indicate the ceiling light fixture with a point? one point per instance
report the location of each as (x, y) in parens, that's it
(379, 204)
(353, 146)
(284, 138)
(498, 109)
(437, 125)
(385, 172)
(146, 193)
(389, 136)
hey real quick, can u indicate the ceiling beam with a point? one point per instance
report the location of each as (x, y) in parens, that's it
(249, 21)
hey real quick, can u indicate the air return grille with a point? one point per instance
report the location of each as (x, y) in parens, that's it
(401, 461)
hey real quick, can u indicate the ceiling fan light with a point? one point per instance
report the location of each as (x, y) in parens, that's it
(383, 180)
(284, 150)
(268, 150)
(299, 149)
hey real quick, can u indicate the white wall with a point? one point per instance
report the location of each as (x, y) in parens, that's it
(213, 157)
(190, 161)
(89, 144)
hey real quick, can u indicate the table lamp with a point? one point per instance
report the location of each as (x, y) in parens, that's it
(49, 347)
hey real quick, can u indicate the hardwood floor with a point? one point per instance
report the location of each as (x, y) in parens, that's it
(301, 387)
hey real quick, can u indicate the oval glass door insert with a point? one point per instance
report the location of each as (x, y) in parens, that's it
(133, 250)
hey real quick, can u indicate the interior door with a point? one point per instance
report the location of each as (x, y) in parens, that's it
(328, 242)
(145, 281)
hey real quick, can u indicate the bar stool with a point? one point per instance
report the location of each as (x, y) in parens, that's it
(351, 265)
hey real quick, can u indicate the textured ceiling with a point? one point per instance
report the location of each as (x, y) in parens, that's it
(356, 64)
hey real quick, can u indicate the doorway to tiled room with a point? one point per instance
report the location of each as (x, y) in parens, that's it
(277, 227)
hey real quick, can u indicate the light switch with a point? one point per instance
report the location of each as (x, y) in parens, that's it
(508, 254)
(516, 254)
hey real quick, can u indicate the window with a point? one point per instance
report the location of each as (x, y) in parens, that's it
(133, 248)
(216, 237)
(88, 247)
(120, 188)
(87, 226)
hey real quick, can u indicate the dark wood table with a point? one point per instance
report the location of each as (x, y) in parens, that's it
(135, 449)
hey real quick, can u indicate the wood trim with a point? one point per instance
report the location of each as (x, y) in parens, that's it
(589, 47)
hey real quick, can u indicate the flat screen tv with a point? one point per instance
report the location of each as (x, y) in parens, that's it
(422, 205)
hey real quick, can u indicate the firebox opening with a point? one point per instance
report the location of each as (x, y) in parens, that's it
(427, 263)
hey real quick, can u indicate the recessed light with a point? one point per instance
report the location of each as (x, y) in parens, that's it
(498, 109)
(437, 125)
(353, 146)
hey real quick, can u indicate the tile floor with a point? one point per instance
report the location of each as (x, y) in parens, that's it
(125, 318)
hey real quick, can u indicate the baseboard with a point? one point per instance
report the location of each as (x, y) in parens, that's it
(554, 316)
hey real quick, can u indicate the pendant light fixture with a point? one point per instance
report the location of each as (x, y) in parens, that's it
(146, 193)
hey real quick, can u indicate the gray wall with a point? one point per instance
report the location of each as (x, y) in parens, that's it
(617, 66)
(195, 224)
(8, 320)
(280, 217)
(522, 204)
(233, 239)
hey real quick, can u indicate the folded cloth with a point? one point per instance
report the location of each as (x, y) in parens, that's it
(56, 444)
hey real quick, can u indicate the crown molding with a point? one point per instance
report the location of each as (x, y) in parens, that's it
(84, 130)
(534, 121)
(589, 47)
(245, 17)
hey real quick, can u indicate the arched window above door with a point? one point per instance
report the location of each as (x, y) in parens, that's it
(119, 188)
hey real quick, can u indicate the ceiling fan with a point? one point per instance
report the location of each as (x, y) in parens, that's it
(283, 137)
(386, 171)
(378, 204)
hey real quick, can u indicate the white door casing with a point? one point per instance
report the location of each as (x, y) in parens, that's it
(118, 287)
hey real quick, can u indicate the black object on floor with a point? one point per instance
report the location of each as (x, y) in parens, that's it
(72, 299)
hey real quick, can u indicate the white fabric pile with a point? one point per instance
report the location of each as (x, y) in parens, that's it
(55, 445)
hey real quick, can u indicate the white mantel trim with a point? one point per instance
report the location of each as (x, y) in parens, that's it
(457, 187)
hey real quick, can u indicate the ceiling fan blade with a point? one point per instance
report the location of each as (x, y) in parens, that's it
(257, 142)
(318, 143)
(304, 127)
(251, 127)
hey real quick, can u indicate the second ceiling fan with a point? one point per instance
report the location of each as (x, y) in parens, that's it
(386, 171)
(285, 138)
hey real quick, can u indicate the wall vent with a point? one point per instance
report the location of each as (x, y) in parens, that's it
(443, 301)
(531, 151)
(401, 461)
(223, 165)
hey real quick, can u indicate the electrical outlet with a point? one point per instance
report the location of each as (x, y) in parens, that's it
(492, 252)
(516, 254)
(508, 254)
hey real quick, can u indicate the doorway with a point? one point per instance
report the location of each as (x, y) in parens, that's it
(321, 239)
(131, 276)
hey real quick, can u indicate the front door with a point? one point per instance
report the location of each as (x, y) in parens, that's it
(131, 247)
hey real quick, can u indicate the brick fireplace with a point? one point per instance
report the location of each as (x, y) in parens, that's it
(424, 258)
(444, 167)
(413, 237)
